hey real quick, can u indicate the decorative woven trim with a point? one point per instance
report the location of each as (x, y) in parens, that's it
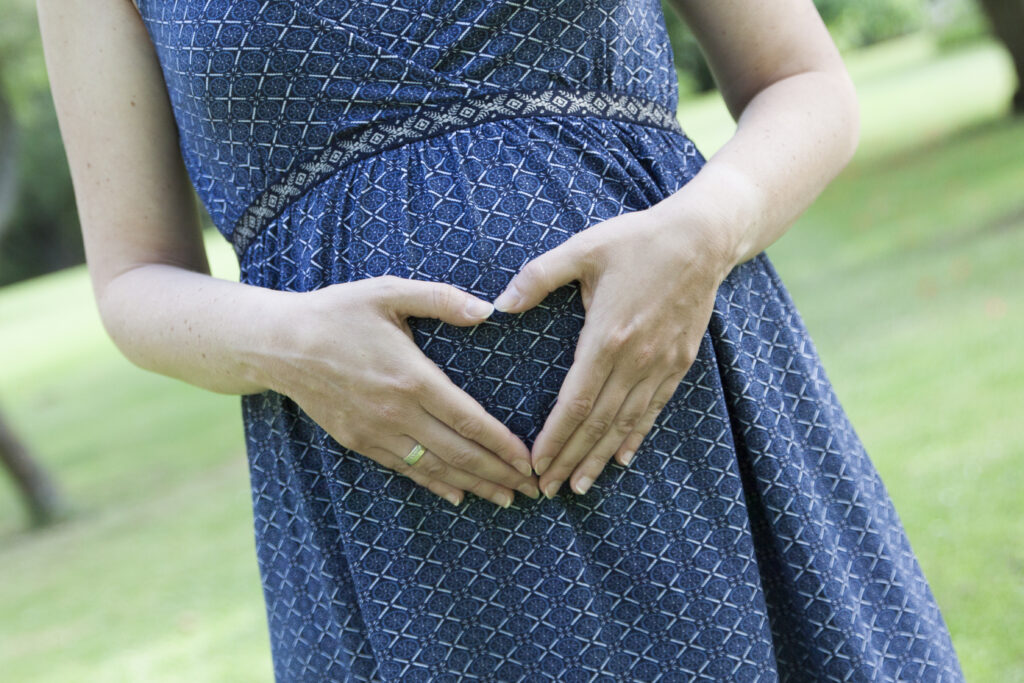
(378, 136)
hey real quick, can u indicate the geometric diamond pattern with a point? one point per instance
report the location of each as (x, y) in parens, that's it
(750, 539)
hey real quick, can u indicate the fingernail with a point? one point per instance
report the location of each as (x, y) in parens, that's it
(530, 490)
(541, 466)
(453, 499)
(506, 499)
(523, 468)
(583, 484)
(507, 299)
(627, 457)
(551, 489)
(479, 308)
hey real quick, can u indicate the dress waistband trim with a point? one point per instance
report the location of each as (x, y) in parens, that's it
(378, 136)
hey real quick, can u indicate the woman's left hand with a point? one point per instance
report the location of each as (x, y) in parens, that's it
(648, 280)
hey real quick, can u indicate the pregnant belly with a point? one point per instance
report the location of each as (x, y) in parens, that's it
(470, 208)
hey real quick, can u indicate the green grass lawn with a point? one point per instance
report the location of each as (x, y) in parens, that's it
(906, 271)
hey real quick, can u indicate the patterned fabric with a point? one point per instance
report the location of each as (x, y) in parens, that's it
(751, 538)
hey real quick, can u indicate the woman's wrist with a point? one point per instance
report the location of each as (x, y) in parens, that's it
(274, 334)
(791, 140)
(719, 205)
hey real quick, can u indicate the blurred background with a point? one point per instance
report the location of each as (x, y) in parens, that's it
(126, 546)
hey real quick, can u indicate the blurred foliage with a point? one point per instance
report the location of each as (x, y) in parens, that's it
(865, 22)
(41, 233)
(692, 69)
(957, 22)
(852, 24)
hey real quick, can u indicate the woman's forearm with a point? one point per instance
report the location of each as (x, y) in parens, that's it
(791, 140)
(216, 334)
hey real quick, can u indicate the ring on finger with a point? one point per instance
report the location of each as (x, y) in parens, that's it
(415, 454)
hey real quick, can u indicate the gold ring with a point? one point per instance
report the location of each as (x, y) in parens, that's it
(415, 454)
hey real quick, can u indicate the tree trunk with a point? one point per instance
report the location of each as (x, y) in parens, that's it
(44, 502)
(45, 505)
(1006, 17)
(8, 160)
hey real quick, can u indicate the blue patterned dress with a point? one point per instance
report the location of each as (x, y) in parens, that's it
(750, 539)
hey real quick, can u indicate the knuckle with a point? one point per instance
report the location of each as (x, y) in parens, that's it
(386, 289)
(647, 354)
(462, 459)
(616, 338)
(579, 408)
(673, 382)
(440, 297)
(657, 405)
(597, 425)
(674, 357)
(407, 384)
(661, 400)
(629, 418)
(596, 462)
(468, 427)
(436, 468)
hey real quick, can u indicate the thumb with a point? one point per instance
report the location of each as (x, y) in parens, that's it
(429, 299)
(539, 277)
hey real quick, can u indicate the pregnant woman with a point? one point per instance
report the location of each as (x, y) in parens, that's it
(648, 475)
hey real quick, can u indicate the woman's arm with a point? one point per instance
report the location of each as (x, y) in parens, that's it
(798, 120)
(139, 224)
(375, 393)
(648, 278)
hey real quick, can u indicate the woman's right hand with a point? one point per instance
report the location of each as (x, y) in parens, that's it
(352, 365)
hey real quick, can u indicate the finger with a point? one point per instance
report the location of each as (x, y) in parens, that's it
(633, 408)
(437, 468)
(394, 462)
(467, 456)
(661, 397)
(577, 396)
(590, 430)
(462, 413)
(542, 275)
(427, 299)
(431, 466)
